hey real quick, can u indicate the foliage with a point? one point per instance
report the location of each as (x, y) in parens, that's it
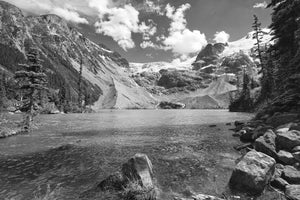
(281, 76)
(32, 82)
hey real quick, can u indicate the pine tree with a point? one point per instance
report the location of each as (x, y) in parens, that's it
(2, 90)
(258, 35)
(80, 83)
(31, 80)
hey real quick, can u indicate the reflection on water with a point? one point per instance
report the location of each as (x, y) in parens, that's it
(184, 150)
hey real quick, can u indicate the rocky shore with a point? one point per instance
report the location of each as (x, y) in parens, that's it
(271, 155)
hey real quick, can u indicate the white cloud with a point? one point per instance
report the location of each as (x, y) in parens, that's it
(69, 15)
(63, 9)
(261, 5)
(120, 22)
(221, 37)
(182, 41)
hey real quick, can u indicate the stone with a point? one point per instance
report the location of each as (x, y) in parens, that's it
(228, 124)
(297, 156)
(288, 140)
(296, 149)
(239, 123)
(291, 175)
(134, 181)
(284, 127)
(279, 183)
(212, 126)
(266, 144)
(278, 170)
(247, 134)
(139, 169)
(293, 192)
(253, 172)
(260, 131)
(286, 157)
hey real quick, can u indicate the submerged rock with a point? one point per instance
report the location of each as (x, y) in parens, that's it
(253, 172)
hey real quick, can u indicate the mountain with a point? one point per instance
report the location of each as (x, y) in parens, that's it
(205, 81)
(63, 47)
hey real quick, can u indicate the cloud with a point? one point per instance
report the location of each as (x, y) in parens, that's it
(181, 40)
(120, 22)
(69, 15)
(221, 37)
(64, 9)
(261, 5)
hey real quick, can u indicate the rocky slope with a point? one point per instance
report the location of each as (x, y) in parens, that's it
(63, 47)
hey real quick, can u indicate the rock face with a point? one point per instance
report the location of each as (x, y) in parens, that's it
(288, 140)
(293, 192)
(253, 172)
(266, 144)
(62, 49)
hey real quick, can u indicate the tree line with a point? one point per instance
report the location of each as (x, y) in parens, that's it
(279, 63)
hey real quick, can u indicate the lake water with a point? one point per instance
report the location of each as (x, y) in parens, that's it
(185, 151)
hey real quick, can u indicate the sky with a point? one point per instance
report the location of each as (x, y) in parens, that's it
(155, 30)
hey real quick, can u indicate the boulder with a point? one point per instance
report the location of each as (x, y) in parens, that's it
(139, 169)
(246, 136)
(133, 182)
(266, 144)
(279, 183)
(291, 175)
(288, 140)
(253, 172)
(278, 170)
(260, 131)
(293, 192)
(286, 157)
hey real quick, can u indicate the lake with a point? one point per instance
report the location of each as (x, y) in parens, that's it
(68, 154)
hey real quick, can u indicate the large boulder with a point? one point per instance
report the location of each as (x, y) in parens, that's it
(293, 192)
(288, 140)
(291, 175)
(266, 144)
(253, 172)
(134, 181)
(139, 169)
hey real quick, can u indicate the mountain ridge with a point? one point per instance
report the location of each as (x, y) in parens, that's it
(62, 48)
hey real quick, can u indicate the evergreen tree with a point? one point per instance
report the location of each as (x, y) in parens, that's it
(31, 80)
(3, 98)
(258, 35)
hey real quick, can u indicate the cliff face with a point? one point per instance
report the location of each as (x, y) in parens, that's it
(63, 47)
